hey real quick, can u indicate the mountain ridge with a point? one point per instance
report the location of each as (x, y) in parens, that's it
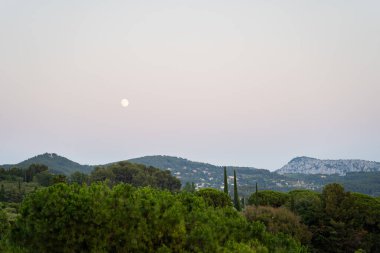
(208, 175)
(308, 165)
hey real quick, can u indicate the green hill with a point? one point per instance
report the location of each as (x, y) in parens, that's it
(57, 164)
(208, 175)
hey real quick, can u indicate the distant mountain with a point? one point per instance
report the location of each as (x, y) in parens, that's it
(299, 173)
(307, 165)
(208, 175)
(57, 164)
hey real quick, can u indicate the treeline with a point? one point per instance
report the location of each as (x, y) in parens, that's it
(332, 221)
(15, 183)
(113, 210)
(363, 182)
(26, 175)
(137, 175)
(98, 218)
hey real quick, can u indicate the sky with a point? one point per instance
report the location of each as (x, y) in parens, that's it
(249, 83)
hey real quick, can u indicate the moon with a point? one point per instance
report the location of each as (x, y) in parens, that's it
(124, 102)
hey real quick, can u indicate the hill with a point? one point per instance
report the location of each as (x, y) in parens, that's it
(208, 175)
(307, 165)
(57, 164)
(299, 173)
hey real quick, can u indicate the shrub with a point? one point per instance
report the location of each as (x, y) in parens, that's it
(269, 198)
(279, 220)
(214, 197)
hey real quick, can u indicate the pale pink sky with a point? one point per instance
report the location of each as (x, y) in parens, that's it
(251, 83)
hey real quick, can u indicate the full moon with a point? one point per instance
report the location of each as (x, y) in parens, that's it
(124, 102)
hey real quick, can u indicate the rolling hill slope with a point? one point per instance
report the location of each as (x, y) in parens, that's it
(363, 178)
(57, 164)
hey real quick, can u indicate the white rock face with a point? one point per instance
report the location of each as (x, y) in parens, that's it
(307, 165)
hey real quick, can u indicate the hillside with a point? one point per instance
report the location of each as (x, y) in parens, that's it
(208, 175)
(307, 165)
(299, 173)
(57, 164)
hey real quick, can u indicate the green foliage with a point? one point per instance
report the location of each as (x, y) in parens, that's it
(214, 197)
(47, 179)
(59, 179)
(339, 221)
(79, 178)
(256, 196)
(307, 204)
(137, 175)
(44, 178)
(225, 181)
(343, 222)
(96, 218)
(2, 193)
(12, 174)
(268, 198)
(236, 194)
(363, 182)
(14, 191)
(200, 174)
(33, 170)
(4, 223)
(17, 182)
(189, 187)
(279, 220)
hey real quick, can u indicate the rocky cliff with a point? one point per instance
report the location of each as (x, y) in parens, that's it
(307, 165)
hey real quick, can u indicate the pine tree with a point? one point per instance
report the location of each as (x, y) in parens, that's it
(236, 195)
(225, 181)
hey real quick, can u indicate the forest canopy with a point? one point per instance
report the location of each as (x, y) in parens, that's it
(97, 218)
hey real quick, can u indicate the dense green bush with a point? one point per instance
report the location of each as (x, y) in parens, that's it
(137, 175)
(305, 203)
(279, 220)
(214, 197)
(339, 221)
(4, 224)
(269, 198)
(96, 218)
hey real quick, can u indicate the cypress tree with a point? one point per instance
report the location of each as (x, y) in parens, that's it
(236, 195)
(292, 204)
(256, 196)
(225, 181)
(2, 193)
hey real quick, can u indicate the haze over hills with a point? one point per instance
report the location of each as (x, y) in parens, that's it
(299, 173)
(308, 165)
